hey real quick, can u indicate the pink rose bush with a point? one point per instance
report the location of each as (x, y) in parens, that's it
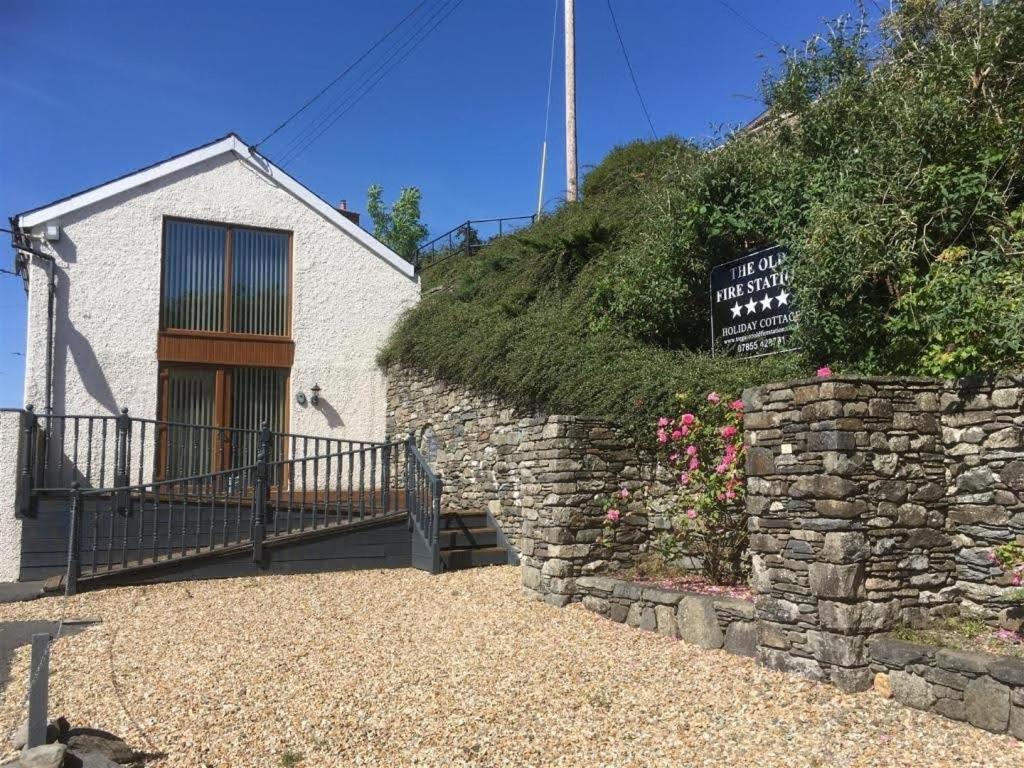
(1010, 557)
(613, 512)
(707, 461)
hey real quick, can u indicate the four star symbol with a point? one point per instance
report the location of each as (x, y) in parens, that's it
(765, 302)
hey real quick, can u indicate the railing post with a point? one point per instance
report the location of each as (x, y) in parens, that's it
(74, 541)
(26, 476)
(385, 477)
(410, 441)
(260, 493)
(38, 691)
(122, 434)
(435, 489)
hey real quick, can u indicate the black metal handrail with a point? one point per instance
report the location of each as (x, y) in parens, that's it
(466, 238)
(99, 451)
(164, 520)
(423, 491)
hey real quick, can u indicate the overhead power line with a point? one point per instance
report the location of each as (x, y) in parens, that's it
(547, 113)
(629, 66)
(400, 54)
(344, 72)
(749, 23)
(341, 100)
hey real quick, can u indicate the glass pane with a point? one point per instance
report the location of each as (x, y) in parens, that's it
(259, 282)
(190, 408)
(258, 395)
(193, 280)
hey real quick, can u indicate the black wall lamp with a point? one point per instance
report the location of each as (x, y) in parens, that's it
(314, 395)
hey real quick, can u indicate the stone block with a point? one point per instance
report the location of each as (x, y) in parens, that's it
(783, 661)
(975, 480)
(837, 581)
(1017, 722)
(1009, 670)
(741, 638)
(846, 510)
(698, 623)
(964, 661)
(988, 704)
(911, 690)
(954, 709)
(841, 650)
(595, 604)
(844, 547)
(897, 654)
(760, 462)
(851, 679)
(665, 617)
(831, 441)
(823, 487)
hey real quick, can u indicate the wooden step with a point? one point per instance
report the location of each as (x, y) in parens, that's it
(457, 559)
(468, 538)
(463, 520)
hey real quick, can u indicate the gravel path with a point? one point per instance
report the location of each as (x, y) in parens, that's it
(398, 668)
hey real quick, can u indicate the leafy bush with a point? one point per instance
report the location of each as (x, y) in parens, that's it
(704, 451)
(892, 172)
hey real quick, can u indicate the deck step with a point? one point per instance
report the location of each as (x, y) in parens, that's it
(469, 538)
(457, 559)
(463, 520)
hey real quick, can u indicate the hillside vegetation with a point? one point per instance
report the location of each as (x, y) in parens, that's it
(892, 175)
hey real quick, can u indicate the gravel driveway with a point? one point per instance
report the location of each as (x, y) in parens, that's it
(397, 668)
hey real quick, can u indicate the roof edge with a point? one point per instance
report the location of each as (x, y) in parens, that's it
(229, 143)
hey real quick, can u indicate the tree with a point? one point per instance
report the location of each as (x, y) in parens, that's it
(398, 227)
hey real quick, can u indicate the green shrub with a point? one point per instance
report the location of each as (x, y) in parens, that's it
(892, 173)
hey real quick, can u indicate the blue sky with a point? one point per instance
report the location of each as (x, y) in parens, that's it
(93, 89)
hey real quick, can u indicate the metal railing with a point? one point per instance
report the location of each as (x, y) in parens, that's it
(118, 451)
(467, 238)
(423, 500)
(249, 507)
(245, 507)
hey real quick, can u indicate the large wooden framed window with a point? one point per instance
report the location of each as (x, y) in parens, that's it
(213, 414)
(225, 279)
(224, 345)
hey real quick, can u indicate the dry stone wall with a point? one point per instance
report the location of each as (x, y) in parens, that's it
(874, 503)
(540, 476)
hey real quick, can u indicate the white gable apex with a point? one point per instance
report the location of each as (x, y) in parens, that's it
(229, 144)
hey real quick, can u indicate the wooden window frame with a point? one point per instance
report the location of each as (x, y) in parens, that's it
(187, 347)
(222, 410)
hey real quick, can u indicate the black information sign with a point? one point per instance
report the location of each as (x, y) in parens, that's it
(752, 310)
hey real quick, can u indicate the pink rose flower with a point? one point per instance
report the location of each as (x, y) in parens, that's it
(676, 434)
(687, 419)
(685, 478)
(691, 450)
(663, 422)
(714, 397)
(736, 405)
(694, 464)
(624, 493)
(730, 495)
(662, 437)
(824, 372)
(691, 513)
(613, 515)
(684, 430)
(728, 431)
